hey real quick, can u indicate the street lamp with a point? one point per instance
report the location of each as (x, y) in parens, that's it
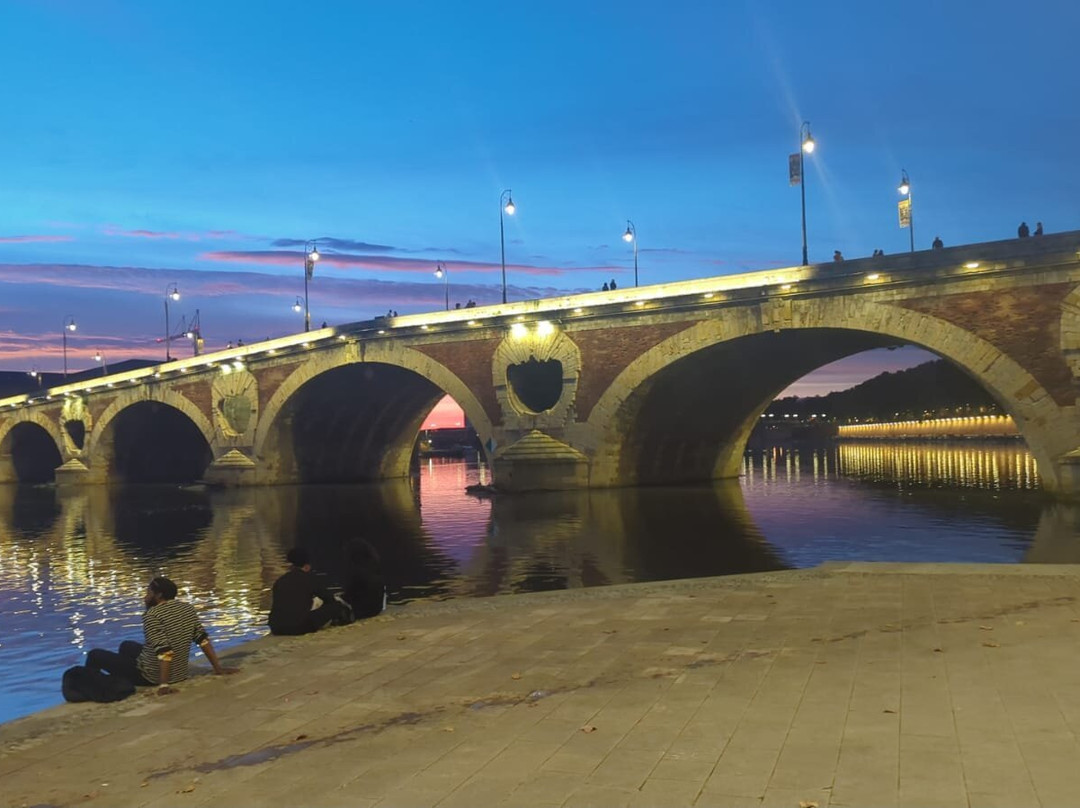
(171, 291)
(35, 375)
(628, 236)
(100, 357)
(806, 146)
(905, 190)
(298, 306)
(311, 256)
(442, 273)
(69, 325)
(509, 208)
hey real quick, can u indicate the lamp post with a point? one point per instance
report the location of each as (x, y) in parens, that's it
(509, 208)
(311, 256)
(443, 274)
(905, 190)
(806, 146)
(100, 357)
(298, 306)
(171, 291)
(69, 325)
(35, 375)
(628, 236)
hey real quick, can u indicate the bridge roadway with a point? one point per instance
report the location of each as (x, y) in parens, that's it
(651, 385)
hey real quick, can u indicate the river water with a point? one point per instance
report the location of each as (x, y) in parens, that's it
(74, 564)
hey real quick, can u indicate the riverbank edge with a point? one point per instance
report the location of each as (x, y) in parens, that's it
(27, 731)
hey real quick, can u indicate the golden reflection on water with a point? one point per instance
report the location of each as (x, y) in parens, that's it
(1005, 465)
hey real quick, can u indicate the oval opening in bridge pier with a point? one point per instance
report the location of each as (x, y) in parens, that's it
(537, 385)
(77, 432)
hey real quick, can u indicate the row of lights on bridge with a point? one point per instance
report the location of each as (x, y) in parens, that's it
(518, 329)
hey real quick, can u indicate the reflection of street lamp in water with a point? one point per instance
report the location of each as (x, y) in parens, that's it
(100, 357)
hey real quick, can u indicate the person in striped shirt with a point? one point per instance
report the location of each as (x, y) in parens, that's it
(170, 628)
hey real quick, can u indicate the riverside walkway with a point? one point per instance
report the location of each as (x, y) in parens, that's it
(846, 685)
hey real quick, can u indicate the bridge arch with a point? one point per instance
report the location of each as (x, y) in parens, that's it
(156, 433)
(371, 408)
(30, 448)
(714, 379)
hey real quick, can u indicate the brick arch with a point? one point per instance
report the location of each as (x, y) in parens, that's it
(384, 354)
(1047, 429)
(31, 417)
(159, 394)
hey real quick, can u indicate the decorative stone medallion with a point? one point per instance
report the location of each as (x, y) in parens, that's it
(236, 405)
(76, 423)
(535, 371)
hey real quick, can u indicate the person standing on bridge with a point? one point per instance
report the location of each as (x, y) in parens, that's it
(300, 603)
(170, 628)
(837, 256)
(1022, 231)
(1038, 228)
(938, 243)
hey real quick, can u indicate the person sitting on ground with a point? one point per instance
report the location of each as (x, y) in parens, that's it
(365, 590)
(604, 288)
(1038, 228)
(938, 243)
(837, 256)
(170, 628)
(300, 604)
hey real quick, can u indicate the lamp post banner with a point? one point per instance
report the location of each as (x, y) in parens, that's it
(794, 169)
(903, 207)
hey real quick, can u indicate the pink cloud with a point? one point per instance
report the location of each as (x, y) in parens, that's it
(387, 263)
(113, 230)
(27, 239)
(44, 350)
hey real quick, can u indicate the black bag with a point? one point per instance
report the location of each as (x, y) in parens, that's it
(83, 684)
(343, 613)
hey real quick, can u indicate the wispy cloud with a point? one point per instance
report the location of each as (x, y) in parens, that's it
(44, 351)
(387, 263)
(32, 238)
(333, 243)
(114, 230)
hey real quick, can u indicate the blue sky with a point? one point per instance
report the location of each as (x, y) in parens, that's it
(196, 143)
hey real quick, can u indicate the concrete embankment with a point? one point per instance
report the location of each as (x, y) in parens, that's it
(854, 684)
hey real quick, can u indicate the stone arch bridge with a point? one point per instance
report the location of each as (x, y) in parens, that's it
(650, 385)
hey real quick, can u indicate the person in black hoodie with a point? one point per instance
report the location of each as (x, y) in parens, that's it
(364, 590)
(300, 603)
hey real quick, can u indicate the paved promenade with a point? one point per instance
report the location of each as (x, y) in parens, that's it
(849, 685)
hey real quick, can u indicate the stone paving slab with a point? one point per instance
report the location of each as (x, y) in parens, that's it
(848, 685)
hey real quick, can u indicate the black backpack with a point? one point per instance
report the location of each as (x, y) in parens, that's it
(84, 684)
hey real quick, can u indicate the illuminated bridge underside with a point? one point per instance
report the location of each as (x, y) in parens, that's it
(655, 385)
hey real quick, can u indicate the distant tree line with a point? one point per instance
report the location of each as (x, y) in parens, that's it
(936, 389)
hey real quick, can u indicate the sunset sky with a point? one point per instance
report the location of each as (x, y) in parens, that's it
(201, 143)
